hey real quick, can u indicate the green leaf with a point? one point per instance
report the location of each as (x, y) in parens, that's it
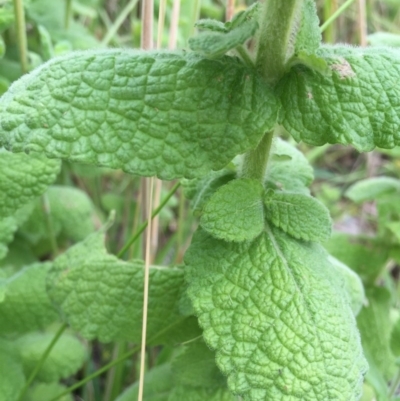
(23, 178)
(8, 226)
(395, 339)
(384, 39)
(101, 296)
(388, 214)
(66, 357)
(359, 104)
(290, 170)
(309, 36)
(48, 391)
(158, 383)
(211, 25)
(375, 327)
(196, 367)
(301, 216)
(216, 42)
(235, 211)
(352, 284)
(200, 190)
(12, 377)
(365, 256)
(185, 393)
(301, 345)
(26, 306)
(71, 212)
(166, 114)
(376, 380)
(6, 15)
(372, 188)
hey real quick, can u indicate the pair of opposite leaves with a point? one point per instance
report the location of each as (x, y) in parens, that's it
(237, 211)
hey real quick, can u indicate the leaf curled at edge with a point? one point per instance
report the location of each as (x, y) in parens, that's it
(149, 113)
(302, 345)
(358, 105)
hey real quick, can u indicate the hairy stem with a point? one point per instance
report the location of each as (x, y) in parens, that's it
(256, 160)
(278, 25)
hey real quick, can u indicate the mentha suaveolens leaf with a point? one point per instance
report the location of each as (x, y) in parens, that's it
(218, 39)
(148, 113)
(101, 296)
(301, 216)
(23, 178)
(235, 211)
(275, 314)
(357, 104)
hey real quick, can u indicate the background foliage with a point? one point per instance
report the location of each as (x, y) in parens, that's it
(44, 227)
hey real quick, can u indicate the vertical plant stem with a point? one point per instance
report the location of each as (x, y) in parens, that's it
(42, 360)
(146, 44)
(362, 22)
(181, 227)
(279, 21)
(21, 33)
(118, 22)
(336, 14)
(145, 293)
(145, 224)
(256, 160)
(147, 24)
(230, 9)
(68, 11)
(329, 34)
(161, 22)
(173, 31)
(194, 17)
(49, 224)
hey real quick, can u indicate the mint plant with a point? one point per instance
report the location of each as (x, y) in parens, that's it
(276, 311)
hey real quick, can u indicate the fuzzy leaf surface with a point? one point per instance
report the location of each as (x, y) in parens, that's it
(148, 113)
(235, 211)
(66, 357)
(301, 216)
(215, 42)
(101, 296)
(290, 170)
(23, 178)
(27, 306)
(274, 313)
(358, 104)
(309, 36)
